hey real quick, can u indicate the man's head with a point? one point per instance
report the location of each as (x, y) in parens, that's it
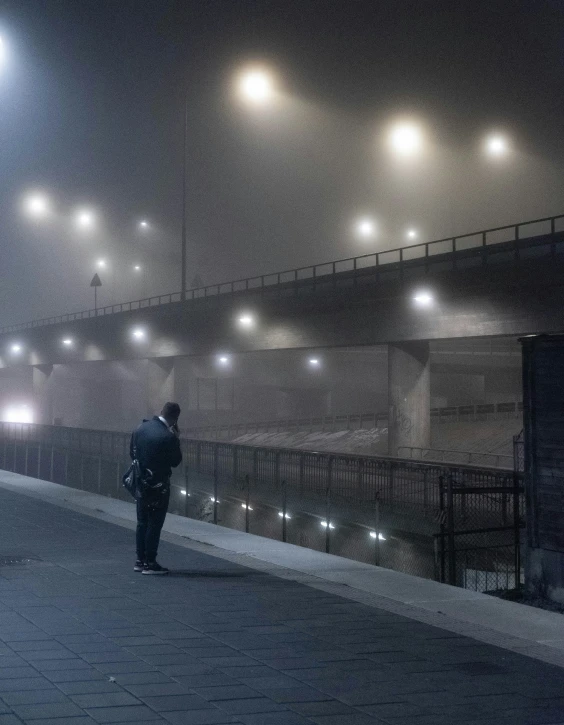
(171, 412)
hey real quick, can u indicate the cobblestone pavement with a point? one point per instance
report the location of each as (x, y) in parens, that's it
(84, 639)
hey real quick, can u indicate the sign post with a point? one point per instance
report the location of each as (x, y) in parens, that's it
(96, 282)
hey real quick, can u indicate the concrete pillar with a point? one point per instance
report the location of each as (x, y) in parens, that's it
(42, 395)
(409, 396)
(160, 383)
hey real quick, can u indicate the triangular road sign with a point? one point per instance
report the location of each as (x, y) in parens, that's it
(96, 281)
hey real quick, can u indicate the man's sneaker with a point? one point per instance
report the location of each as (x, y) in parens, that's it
(138, 565)
(154, 568)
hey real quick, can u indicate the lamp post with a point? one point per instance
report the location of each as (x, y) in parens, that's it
(184, 149)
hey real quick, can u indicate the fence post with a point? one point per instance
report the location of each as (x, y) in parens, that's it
(247, 501)
(99, 473)
(517, 530)
(377, 529)
(187, 489)
(215, 482)
(284, 510)
(442, 529)
(328, 506)
(451, 541)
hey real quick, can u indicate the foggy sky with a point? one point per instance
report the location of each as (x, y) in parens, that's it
(91, 111)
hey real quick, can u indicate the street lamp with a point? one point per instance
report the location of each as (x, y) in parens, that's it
(412, 234)
(246, 321)
(37, 205)
(256, 86)
(365, 228)
(143, 224)
(496, 145)
(406, 138)
(84, 219)
(423, 299)
(101, 264)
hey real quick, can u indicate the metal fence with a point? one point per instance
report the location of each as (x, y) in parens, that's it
(538, 238)
(354, 421)
(444, 455)
(383, 511)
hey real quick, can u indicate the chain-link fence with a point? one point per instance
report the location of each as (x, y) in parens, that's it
(479, 539)
(385, 511)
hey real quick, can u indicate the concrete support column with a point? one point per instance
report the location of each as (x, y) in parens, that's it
(160, 383)
(409, 396)
(42, 395)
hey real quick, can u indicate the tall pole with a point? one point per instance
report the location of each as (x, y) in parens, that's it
(183, 264)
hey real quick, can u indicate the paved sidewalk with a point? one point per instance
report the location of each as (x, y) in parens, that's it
(83, 639)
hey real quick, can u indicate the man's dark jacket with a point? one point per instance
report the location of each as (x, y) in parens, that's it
(157, 448)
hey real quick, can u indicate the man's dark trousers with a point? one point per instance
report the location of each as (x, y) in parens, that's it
(149, 525)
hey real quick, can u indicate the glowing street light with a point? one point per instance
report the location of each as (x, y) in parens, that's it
(84, 219)
(2, 52)
(17, 414)
(223, 360)
(423, 299)
(246, 321)
(411, 234)
(138, 333)
(406, 138)
(143, 224)
(137, 267)
(15, 349)
(496, 145)
(283, 515)
(314, 362)
(245, 506)
(256, 86)
(101, 263)
(37, 205)
(365, 228)
(381, 537)
(325, 525)
(67, 342)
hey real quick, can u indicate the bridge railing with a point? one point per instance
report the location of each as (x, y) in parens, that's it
(538, 237)
(443, 455)
(351, 421)
(378, 510)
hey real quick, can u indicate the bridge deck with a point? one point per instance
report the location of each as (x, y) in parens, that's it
(85, 640)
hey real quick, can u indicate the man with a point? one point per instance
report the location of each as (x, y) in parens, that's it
(156, 444)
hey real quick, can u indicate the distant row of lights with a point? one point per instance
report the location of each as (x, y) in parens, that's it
(281, 514)
(422, 298)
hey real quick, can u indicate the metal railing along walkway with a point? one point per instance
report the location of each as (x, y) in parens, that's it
(535, 238)
(386, 511)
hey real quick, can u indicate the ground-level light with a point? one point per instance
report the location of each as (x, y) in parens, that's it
(381, 537)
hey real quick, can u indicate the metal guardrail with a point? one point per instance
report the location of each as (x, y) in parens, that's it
(378, 510)
(496, 460)
(485, 244)
(353, 421)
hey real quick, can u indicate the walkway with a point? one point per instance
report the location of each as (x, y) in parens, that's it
(83, 639)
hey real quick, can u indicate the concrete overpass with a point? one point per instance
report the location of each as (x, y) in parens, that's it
(502, 282)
